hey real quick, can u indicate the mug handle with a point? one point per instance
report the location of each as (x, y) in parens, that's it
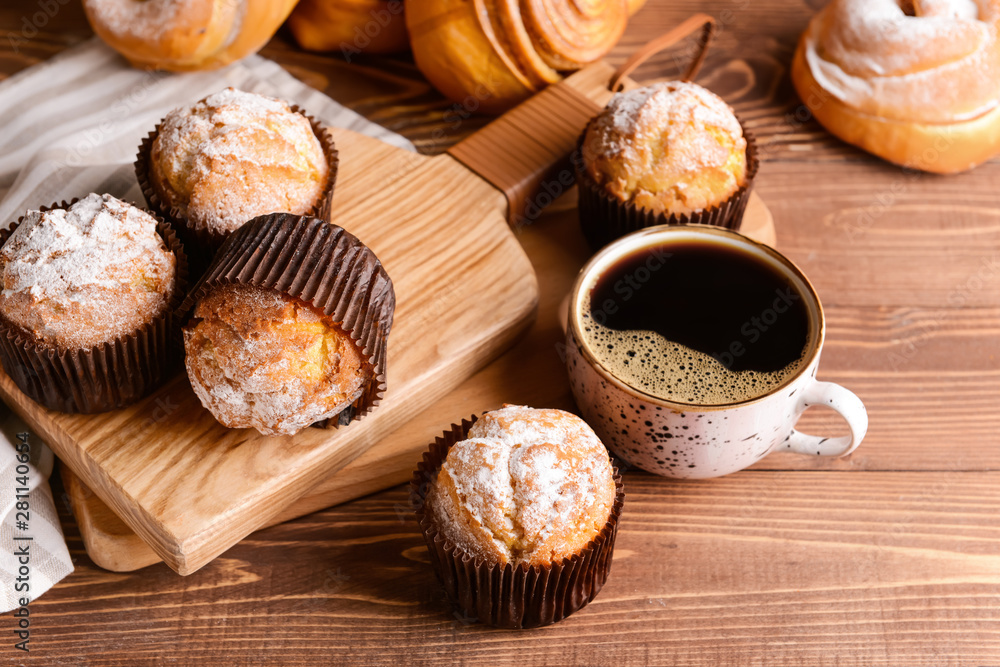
(847, 404)
(829, 394)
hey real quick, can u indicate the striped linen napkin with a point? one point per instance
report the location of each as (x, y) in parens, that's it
(71, 126)
(33, 554)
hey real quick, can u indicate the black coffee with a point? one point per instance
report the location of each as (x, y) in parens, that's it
(697, 322)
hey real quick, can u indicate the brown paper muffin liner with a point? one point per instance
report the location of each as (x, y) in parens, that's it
(104, 377)
(509, 596)
(604, 217)
(202, 244)
(322, 264)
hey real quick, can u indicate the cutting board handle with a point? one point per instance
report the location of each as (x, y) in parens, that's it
(525, 153)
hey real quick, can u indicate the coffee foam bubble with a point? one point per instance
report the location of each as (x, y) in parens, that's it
(649, 362)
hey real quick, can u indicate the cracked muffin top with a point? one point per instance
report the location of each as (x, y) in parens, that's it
(530, 486)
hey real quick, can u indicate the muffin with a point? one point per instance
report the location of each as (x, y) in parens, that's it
(509, 505)
(231, 157)
(669, 153)
(261, 359)
(94, 279)
(289, 327)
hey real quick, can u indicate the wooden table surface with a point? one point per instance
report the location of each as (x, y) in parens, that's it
(888, 557)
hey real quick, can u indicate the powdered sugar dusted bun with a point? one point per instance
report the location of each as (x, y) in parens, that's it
(915, 83)
(672, 148)
(261, 359)
(528, 486)
(82, 276)
(236, 155)
(185, 35)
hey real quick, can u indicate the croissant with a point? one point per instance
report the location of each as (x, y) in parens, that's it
(491, 54)
(917, 84)
(185, 35)
(352, 26)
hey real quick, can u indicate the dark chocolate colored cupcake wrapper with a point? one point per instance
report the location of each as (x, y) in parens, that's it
(104, 377)
(511, 596)
(201, 243)
(604, 217)
(322, 264)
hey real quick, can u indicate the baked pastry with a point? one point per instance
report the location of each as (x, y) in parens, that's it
(289, 326)
(231, 157)
(350, 26)
(87, 274)
(186, 35)
(915, 83)
(672, 147)
(489, 55)
(527, 486)
(667, 153)
(96, 278)
(509, 505)
(261, 359)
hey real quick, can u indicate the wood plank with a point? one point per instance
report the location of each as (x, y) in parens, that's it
(901, 240)
(790, 568)
(876, 568)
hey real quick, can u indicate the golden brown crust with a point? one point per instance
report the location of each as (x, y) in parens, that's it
(489, 55)
(234, 156)
(529, 486)
(260, 359)
(926, 96)
(507, 26)
(460, 59)
(186, 35)
(351, 26)
(671, 148)
(89, 274)
(571, 35)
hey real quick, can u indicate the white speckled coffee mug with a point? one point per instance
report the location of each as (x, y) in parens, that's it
(697, 441)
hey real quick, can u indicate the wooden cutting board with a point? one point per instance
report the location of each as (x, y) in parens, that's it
(190, 488)
(465, 289)
(530, 373)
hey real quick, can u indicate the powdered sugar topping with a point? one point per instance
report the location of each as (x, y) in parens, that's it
(58, 253)
(939, 65)
(236, 155)
(86, 274)
(671, 106)
(526, 475)
(147, 21)
(259, 358)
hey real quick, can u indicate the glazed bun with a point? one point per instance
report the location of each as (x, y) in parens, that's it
(671, 148)
(530, 486)
(185, 35)
(490, 56)
(918, 87)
